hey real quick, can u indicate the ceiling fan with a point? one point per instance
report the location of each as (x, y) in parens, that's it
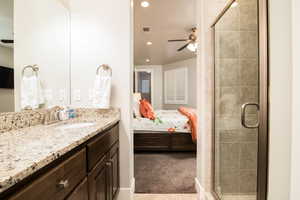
(191, 41)
(7, 41)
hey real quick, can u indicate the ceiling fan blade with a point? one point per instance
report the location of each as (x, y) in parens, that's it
(179, 40)
(7, 41)
(183, 47)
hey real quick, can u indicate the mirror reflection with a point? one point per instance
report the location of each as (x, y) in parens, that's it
(6, 57)
(34, 48)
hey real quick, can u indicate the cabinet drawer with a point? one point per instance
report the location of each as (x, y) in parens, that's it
(81, 192)
(58, 182)
(97, 148)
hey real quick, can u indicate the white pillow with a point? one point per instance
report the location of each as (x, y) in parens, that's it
(136, 105)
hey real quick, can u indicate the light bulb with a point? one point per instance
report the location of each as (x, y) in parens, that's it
(145, 4)
(234, 4)
(149, 43)
(192, 47)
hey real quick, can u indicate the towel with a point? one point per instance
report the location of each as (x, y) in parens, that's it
(191, 114)
(102, 90)
(31, 92)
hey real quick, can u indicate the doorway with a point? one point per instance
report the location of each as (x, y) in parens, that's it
(144, 83)
(165, 97)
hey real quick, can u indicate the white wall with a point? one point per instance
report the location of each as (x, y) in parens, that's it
(280, 99)
(295, 165)
(157, 85)
(42, 37)
(191, 65)
(100, 32)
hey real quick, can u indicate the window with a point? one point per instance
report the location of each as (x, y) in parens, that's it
(176, 86)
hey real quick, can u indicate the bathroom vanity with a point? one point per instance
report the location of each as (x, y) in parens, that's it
(85, 167)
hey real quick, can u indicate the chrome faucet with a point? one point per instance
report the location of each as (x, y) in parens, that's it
(51, 115)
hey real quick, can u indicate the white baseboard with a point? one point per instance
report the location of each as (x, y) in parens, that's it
(201, 193)
(127, 193)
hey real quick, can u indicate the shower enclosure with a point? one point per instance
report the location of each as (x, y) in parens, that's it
(240, 101)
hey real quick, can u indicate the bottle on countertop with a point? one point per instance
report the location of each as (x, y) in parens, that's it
(67, 113)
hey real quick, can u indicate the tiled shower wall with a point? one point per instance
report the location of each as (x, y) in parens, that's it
(236, 82)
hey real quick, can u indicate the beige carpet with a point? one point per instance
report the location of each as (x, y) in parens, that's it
(165, 173)
(165, 197)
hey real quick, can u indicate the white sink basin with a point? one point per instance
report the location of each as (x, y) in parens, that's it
(74, 125)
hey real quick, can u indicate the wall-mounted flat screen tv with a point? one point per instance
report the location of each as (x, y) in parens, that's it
(6, 77)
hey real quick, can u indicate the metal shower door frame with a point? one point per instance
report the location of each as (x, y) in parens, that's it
(263, 129)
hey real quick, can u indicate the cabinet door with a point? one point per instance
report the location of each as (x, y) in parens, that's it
(81, 192)
(114, 170)
(98, 180)
(58, 182)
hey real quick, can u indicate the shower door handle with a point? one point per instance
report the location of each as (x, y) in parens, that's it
(243, 115)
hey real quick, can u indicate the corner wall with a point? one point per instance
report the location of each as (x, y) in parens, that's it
(280, 89)
(295, 164)
(100, 34)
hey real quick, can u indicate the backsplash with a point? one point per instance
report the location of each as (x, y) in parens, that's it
(17, 120)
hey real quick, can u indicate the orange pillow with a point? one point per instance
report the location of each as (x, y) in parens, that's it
(146, 109)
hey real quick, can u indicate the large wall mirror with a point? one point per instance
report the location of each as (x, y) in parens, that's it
(34, 33)
(6, 56)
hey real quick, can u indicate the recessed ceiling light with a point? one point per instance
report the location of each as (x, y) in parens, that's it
(145, 4)
(147, 60)
(149, 43)
(234, 4)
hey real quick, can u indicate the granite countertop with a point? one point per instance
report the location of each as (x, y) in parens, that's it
(24, 151)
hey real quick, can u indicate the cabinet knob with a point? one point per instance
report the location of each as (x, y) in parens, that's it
(63, 184)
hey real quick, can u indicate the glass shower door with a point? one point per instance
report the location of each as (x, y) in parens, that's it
(237, 102)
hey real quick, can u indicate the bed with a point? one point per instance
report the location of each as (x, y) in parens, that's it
(168, 132)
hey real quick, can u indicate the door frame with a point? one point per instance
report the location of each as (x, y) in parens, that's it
(152, 81)
(263, 132)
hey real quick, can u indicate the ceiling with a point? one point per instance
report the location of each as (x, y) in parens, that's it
(167, 19)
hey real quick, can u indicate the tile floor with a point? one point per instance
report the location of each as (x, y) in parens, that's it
(165, 197)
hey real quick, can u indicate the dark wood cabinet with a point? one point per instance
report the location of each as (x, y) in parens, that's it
(81, 192)
(104, 178)
(58, 182)
(99, 184)
(114, 170)
(88, 172)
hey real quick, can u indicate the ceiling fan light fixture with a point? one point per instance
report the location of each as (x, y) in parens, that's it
(149, 43)
(145, 4)
(148, 60)
(192, 47)
(234, 4)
